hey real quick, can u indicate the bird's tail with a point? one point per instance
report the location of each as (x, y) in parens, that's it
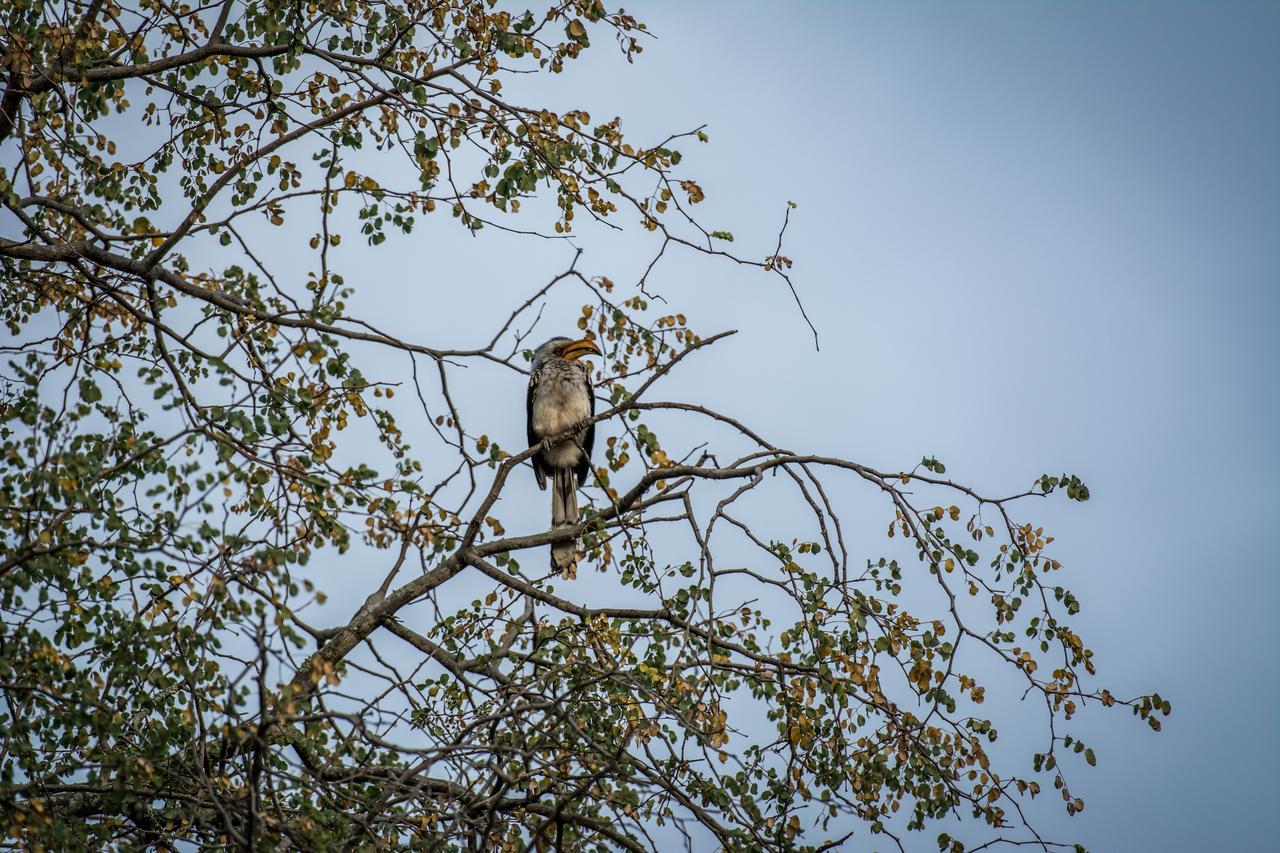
(564, 513)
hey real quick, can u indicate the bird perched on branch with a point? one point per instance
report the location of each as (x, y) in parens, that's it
(560, 399)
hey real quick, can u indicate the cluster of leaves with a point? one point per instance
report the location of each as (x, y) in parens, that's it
(185, 444)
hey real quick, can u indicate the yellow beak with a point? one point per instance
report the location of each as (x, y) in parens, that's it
(578, 349)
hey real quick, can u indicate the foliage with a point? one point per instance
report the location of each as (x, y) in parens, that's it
(187, 433)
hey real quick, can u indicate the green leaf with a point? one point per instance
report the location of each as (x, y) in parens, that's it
(89, 391)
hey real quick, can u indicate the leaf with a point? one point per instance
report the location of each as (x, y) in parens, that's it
(89, 391)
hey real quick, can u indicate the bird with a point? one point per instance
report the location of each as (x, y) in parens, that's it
(560, 398)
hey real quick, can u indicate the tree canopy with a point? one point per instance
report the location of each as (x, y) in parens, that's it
(189, 427)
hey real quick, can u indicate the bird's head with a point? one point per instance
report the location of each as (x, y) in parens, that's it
(566, 348)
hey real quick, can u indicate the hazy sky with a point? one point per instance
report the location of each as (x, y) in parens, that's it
(1035, 238)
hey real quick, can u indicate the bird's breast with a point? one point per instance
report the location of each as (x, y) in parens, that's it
(559, 402)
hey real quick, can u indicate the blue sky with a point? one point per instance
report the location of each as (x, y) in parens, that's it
(1034, 238)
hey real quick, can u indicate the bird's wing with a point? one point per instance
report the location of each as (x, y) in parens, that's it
(538, 470)
(584, 464)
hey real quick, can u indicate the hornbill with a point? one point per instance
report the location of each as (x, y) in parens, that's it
(560, 398)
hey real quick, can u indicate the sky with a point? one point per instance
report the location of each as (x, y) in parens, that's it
(1034, 237)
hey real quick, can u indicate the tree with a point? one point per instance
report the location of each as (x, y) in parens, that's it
(187, 432)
